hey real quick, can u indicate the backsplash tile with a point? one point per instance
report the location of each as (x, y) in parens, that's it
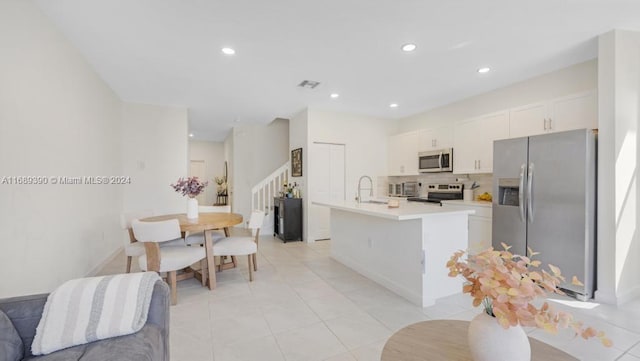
(485, 181)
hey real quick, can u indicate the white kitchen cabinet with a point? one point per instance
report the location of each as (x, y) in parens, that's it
(479, 234)
(574, 111)
(403, 154)
(435, 138)
(479, 225)
(528, 120)
(473, 142)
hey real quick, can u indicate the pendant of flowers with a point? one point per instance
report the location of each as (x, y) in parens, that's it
(190, 186)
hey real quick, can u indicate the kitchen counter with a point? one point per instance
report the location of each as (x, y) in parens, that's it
(404, 249)
(406, 211)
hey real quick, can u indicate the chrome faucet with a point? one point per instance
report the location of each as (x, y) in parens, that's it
(360, 187)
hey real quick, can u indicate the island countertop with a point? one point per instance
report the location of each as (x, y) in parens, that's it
(406, 211)
(460, 202)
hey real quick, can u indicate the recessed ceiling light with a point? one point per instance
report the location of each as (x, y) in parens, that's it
(484, 70)
(228, 51)
(393, 105)
(190, 135)
(334, 95)
(409, 47)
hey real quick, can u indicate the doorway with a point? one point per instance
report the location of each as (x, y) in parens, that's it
(196, 169)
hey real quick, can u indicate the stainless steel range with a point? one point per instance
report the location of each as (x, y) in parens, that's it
(436, 193)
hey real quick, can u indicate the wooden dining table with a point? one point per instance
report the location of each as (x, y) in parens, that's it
(206, 222)
(446, 340)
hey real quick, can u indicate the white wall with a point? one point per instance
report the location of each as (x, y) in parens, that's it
(299, 138)
(154, 154)
(228, 156)
(618, 160)
(365, 140)
(573, 79)
(57, 118)
(258, 150)
(212, 154)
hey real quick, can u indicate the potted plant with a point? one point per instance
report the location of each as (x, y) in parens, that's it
(190, 187)
(506, 285)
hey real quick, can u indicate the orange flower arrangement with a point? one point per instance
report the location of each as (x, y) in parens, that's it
(506, 284)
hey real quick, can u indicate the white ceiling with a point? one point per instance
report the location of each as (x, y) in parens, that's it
(168, 51)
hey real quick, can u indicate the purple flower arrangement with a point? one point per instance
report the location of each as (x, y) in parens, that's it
(189, 186)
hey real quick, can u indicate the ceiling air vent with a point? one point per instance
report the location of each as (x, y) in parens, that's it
(309, 84)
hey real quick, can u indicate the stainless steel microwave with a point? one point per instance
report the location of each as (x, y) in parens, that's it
(436, 161)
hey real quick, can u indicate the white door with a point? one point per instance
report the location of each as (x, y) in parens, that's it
(327, 178)
(196, 169)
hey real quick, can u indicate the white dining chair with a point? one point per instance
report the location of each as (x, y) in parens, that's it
(243, 246)
(166, 259)
(198, 237)
(133, 248)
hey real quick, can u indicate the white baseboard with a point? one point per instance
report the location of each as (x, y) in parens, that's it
(629, 295)
(266, 230)
(267, 226)
(617, 299)
(95, 270)
(605, 297)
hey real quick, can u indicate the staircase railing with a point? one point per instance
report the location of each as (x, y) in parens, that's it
(262, 193)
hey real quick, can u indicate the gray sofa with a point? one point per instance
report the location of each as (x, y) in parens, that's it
(150, 343)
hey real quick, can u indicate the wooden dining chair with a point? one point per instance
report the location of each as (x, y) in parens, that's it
(166, 259)
(133, 248)
(243, 246)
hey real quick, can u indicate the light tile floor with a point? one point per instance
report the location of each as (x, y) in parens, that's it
(303, 305)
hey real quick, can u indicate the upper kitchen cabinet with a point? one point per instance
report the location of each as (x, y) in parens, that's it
(528, 120)
(434, 139)
(403, 154)
(473, 142)
(574, 112)
(570, 112)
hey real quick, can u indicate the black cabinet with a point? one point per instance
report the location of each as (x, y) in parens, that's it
(287, 219)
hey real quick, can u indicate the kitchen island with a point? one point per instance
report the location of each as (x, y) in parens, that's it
(404, 249)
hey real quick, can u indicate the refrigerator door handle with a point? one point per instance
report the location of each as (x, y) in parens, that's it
(521, 192)
(529, 192)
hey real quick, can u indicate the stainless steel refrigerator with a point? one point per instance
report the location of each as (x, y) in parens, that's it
(544, 189)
